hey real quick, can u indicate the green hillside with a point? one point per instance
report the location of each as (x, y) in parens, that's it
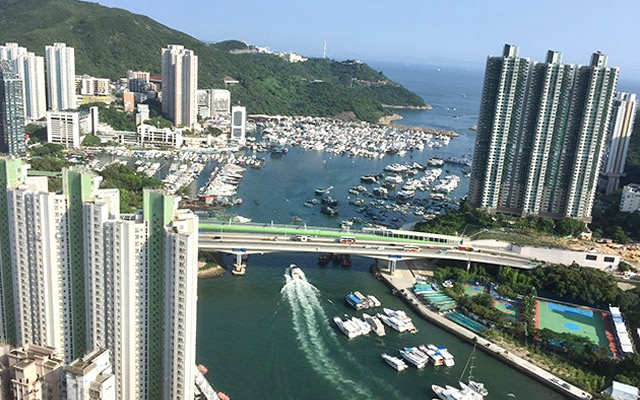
(110, 41)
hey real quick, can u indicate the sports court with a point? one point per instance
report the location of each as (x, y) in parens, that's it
(475, 289)
(564, 318)
(511, 308)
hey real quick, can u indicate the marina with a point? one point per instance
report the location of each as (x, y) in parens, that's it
(301, 336)
(358, 139)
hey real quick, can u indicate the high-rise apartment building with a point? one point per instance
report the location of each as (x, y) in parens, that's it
(63, 127)
(12, 134)
(501, 110)
(89, 86)
(82, 277)
(623, 116)
(541, 134)
(180, 85)
(30, 69)
(239, 124)
(219, 101)
(61, 77)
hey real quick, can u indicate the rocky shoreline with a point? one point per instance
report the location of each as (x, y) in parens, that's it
(388, 119)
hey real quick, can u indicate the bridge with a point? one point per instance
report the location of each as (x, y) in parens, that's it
(378, 243)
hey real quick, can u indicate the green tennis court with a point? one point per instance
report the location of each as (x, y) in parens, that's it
(474, 290)
(563, 318)
(511, 308)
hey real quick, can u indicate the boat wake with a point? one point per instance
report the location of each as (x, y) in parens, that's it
(308, 320)
(309, 323)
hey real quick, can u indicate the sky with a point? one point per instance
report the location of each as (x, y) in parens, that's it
(434, 32)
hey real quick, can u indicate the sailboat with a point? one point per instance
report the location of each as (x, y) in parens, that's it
(476, 386)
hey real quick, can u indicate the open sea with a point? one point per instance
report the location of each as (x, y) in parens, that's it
(262, 341)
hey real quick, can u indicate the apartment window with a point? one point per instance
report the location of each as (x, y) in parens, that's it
(591, 257)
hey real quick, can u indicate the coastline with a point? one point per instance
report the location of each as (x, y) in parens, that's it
(402, 283)
(425, 107)
(388, 119)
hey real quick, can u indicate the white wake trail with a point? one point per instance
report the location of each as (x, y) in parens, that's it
(308, 319)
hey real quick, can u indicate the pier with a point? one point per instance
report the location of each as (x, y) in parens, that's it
(402, 281)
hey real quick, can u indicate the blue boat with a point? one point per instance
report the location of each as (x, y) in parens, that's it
(354, 302)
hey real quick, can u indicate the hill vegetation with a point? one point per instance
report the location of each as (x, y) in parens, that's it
(110, 41)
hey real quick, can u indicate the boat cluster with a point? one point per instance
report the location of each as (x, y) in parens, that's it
(471, 391)
(148, 168)
(348, 138)
(223, 183)
(422, 355)
(181, 174)
(448, 184)
(358, 301)
(353, 327)
(397, 320)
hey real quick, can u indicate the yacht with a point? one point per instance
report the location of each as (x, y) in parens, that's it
(294, 272)
(449, 361)
(374, 300)
(476, 387)
(375, 324)
(435, 358)
(395, 362)
(414, 356)
(402, 317)
(392, 322)
(347, 327)
(364, 327)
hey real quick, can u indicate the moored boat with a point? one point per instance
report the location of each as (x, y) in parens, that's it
(375, 324)
(396, 363)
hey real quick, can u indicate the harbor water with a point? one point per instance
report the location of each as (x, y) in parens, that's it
(260, 340)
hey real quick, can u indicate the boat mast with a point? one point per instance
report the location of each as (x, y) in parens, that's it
(471, 359)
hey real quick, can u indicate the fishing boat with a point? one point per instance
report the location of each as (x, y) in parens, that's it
(324, 259)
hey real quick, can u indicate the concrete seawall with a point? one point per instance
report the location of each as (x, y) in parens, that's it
(402, 282)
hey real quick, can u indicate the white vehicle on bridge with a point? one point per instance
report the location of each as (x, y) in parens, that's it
(347, 239)
(302, 238)
(411, 248)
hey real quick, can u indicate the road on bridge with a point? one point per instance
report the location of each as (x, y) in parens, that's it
(259, 243)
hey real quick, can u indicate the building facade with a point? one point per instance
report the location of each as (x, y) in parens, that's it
(30, 69)
(180, 85)
(91, 377)
(36, 373)
(64, 128)
(61, 77)
(89, 86)
(239, 124)
(83, 278)
(219, 101)
(541, 135)
(12, 133)
(630, 200)
(623, 117)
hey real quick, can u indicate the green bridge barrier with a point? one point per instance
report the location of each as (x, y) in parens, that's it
(280, 230)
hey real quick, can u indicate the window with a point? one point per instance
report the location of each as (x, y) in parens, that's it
(609, 259)
(591, 257)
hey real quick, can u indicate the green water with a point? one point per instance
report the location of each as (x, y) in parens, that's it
(260, 341)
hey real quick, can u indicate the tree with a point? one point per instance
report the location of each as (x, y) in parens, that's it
(37, 133)
(91, 141)
(569, 227)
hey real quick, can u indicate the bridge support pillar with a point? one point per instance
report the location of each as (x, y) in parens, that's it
(238, 267)
(468, 265)
(392, 266)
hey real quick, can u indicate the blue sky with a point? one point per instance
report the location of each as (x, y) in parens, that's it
(436, 32)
